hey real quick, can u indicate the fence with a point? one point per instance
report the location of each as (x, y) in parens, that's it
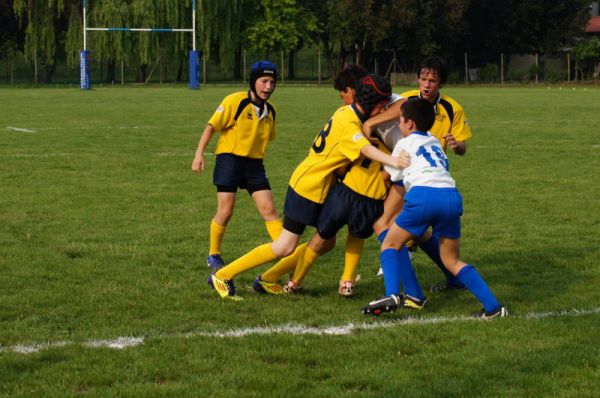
(306, 66)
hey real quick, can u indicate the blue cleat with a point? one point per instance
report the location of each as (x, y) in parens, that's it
(215, 262)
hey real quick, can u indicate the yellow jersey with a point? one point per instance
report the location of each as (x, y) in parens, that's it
(337, 145)
(245, 129)
(364, 176)
(449, 118)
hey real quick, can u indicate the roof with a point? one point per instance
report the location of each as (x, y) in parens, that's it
(593, 25)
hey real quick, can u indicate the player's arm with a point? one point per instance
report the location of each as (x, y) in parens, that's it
(458, 147)
(459, 133)
(392, 113)
(401, 161)
(198, 162)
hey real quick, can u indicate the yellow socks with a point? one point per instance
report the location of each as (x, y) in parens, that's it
(255, 257)
(274, 228)
(216, 237)
(284, 266)
(304, 265)
(354, 248)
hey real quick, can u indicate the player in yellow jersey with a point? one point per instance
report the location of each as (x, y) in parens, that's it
(357, 201)
(338, 144)
(450, 128)
(246, 122)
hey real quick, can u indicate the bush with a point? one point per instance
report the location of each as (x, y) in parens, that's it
(455, 77)
(553, 76)
(519, 75)
(489, 73)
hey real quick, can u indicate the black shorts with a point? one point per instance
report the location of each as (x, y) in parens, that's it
(232, 172)
(299, 212)
(342, 207)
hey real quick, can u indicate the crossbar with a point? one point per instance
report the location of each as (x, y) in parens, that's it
(140, 30)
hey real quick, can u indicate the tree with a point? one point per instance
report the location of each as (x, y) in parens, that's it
(42, 23)
(281, 29)
(221, 27)
(587, 55)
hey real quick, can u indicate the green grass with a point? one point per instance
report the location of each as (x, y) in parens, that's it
(104, 233)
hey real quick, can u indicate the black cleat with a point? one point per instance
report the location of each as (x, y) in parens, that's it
(501, 312)
(383, 304)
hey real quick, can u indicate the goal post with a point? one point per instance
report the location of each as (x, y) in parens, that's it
(84, 55)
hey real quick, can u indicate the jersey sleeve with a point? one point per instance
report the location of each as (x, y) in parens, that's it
(351, 145)
(223, 116)
(396, 174)
(460, 128)
(273, 132)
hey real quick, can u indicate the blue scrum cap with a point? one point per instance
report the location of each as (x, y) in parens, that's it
(260, 69)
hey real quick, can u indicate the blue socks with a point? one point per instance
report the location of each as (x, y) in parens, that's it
(471, 279)
(431, 247)
(397, 269)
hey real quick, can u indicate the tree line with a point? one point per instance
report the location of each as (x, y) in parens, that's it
(49, 32)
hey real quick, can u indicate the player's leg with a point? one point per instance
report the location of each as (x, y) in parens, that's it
(397, 267)
(352, 255)
(430, 245)
(391, 208)
(469, 277)
(449, 230)
(225, 204)
(259, 188)
(315, 248)
(222, 280)
(284, 266)
(267, 282)
(362, 214)
(227, 177)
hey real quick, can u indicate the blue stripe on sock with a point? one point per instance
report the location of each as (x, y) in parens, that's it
(471, 279)
(381, 236)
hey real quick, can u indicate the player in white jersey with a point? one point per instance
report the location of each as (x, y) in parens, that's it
(431, 200)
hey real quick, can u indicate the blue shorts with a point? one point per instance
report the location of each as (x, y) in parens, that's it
(232, 172)
(440, 208)
(344, 206)
(299, 212)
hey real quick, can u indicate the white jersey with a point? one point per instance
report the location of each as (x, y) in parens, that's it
(428, 163)
(390, 131)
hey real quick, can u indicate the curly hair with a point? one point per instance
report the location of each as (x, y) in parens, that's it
(372, 90)
(436, 65)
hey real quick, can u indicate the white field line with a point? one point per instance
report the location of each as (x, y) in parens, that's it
(124, 342)
(20, 129)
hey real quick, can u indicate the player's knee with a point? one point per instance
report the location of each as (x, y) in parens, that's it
(224, 214)
(268, 212)
(282, 251)
(390, 245)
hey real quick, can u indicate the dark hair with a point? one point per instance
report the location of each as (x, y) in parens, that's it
(349, 77)
(260, 69)
(437, 65)
(372, 90)
(420, 111)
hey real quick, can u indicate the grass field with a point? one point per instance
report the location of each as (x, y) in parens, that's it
(104, 233)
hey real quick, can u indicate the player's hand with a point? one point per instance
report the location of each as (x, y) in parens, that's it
(402, 160)
(198, 164)
(458, 147)
(450, 141)
(367, 129)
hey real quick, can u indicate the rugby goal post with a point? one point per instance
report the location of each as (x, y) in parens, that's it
(84, 55)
